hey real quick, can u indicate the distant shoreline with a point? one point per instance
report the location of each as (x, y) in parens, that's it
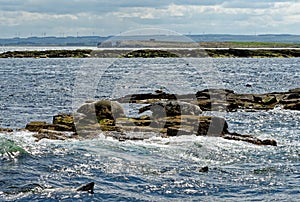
(156, 52)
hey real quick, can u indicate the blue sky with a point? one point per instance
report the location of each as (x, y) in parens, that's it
(25, 18)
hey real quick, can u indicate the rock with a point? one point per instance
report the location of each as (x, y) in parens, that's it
(54, 135)
(36, 126)
(89, 187)
(293, 106)
(6, 130)
(222, 99)
(204, 169)
(169, 118)
(269, 100)
(64, 119)
(37, 188)
(174, 131)
(147, 97)
(212, 126)
(171, 108)
(292, 96)
(208, 92)
(149, 53)
(295, 90)
(249, 138)
(102, 109)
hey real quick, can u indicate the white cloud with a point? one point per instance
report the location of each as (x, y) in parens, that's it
(107, 17)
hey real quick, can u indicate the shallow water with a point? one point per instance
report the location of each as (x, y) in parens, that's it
(158, 169)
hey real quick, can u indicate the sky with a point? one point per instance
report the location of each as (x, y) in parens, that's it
(25, 18)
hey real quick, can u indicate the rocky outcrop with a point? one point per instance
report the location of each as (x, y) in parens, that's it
(143, 128)
(224, 100)
(36, 126)
(169, 117)
(54, 131)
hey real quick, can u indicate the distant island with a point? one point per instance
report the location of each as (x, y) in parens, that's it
(96, 40)
(152, 46)
(155, 53)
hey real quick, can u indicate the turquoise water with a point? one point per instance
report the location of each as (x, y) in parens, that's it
(158, 169)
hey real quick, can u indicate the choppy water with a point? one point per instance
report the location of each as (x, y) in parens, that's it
(157, 169)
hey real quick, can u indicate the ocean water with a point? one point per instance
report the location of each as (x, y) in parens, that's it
(157, 169)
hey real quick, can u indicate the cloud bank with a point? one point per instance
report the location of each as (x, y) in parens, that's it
(25, 18)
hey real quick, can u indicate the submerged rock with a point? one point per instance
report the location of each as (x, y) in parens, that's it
(204, 169)
(35, 188)
(89, 187)
(250, 139)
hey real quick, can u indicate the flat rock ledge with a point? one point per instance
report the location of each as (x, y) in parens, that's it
(78, 126)
(172, 115)
(224, 100)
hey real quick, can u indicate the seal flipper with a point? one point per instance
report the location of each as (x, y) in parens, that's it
(89, 187)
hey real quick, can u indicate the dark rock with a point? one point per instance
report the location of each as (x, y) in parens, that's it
(171, 108)
(212, 126)
(203, 169)
(89, 187)
(219, 94)
(149, 53)
(249, 138)
(6, 130)
(64, 119)
(295, 90)
(293, 106)
(54, 135)
(292, 96)
(174, 131)
(37, 126)
(149, 97)
(290, 101)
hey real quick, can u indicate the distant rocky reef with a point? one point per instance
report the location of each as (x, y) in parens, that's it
(153, 53)
(82, 53)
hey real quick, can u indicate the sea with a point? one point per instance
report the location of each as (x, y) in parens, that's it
(155, 169)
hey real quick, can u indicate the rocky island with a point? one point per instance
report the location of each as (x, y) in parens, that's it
(171, 115)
